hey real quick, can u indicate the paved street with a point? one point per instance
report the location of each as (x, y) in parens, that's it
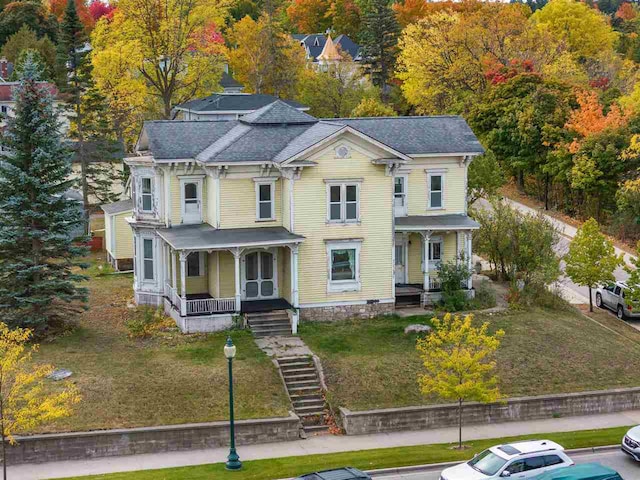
(571, 292)
(615, 459)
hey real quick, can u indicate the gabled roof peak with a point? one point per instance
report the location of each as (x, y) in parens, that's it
(278, 113)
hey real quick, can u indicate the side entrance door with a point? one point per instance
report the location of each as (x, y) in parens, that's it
(401, 259)
(259, 275)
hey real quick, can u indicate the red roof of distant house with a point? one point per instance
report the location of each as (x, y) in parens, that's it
(6, 90)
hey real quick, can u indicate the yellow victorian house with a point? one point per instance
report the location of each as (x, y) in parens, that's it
(285, 218)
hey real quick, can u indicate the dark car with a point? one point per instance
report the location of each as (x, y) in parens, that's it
(346, 473)
(585, 471)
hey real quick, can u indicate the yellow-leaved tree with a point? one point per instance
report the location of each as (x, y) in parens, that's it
(459, 362)
(25, 402)
(172, 48)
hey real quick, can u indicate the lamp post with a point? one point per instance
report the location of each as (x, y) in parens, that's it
(233, 460)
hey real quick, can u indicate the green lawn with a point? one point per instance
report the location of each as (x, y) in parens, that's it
(372, 364)
(167, 379)
(363, 459)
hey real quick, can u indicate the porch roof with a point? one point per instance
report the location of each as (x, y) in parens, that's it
(435, 223)
(204, 237)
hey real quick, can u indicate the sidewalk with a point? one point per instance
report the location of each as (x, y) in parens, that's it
(319, 444)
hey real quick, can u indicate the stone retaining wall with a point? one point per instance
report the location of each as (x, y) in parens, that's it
(346, 312)
(512, 409)
(169, 438)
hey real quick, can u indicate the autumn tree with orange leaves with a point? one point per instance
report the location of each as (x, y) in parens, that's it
(590, 119)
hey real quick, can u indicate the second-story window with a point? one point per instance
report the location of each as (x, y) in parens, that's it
(435, 187)
(343, 202)
(400, 195)
(146, 193)
(265, 200)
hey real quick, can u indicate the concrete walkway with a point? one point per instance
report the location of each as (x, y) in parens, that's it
(319, 444)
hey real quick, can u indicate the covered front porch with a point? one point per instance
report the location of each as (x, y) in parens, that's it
(422, 245)
(212, 274)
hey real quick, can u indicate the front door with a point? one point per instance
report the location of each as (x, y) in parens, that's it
(259, 275)
(401, 259)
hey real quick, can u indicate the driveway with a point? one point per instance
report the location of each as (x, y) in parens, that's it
(570, 291)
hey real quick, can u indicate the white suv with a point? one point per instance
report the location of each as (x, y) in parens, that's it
(513, 460)
(612, 296)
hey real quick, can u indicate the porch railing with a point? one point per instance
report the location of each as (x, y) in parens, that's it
(172, 293)
(434, 284)
(210, 305)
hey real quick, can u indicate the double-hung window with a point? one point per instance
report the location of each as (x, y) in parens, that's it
(344, 266)
(195, 264)
(435, 190)
(146, 194)
(343, 202)
(147, 259)
(265, 200)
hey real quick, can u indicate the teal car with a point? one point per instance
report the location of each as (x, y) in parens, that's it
(585, 471)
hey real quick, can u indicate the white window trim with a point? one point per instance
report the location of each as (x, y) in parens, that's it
(343, 200)
(152, 193)
(183, 206)
(154, 260)
(405, 211)
(435, 173)
(201, 272)
(272, 185)
(343, 285)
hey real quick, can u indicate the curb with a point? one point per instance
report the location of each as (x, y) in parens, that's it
(437, 466)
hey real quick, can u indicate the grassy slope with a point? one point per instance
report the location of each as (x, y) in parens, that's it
(169, 379)
(364, 459)
(372, 364)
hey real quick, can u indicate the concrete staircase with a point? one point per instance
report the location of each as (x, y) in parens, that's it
(303, 384)
(269, 324)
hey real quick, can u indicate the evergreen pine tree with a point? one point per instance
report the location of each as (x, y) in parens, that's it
(38, 278)
(75, 73)
(95, 146)
(379, 40)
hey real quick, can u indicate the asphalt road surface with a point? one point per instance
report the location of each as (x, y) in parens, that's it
(620, 462)
(577, 293)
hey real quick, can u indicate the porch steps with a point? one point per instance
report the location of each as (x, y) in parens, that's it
(269, 324)
(303, 384)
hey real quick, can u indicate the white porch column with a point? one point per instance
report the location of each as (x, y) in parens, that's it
(165, 269)
(294, 286)
(183, 284)
(426, 236)
(174, 269)
(236, 256)
(469, 255)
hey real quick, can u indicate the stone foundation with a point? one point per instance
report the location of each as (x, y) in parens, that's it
(345, 312)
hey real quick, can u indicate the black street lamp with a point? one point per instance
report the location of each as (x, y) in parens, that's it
(233, 460)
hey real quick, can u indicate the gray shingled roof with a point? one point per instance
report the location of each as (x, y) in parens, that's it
(203, 236)
(345, 43)
(436, 222)
(174, 139)
(227, 81)
(233, 102)
(278, 113)
(278, 132)
(419, 135)
(118, 207)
